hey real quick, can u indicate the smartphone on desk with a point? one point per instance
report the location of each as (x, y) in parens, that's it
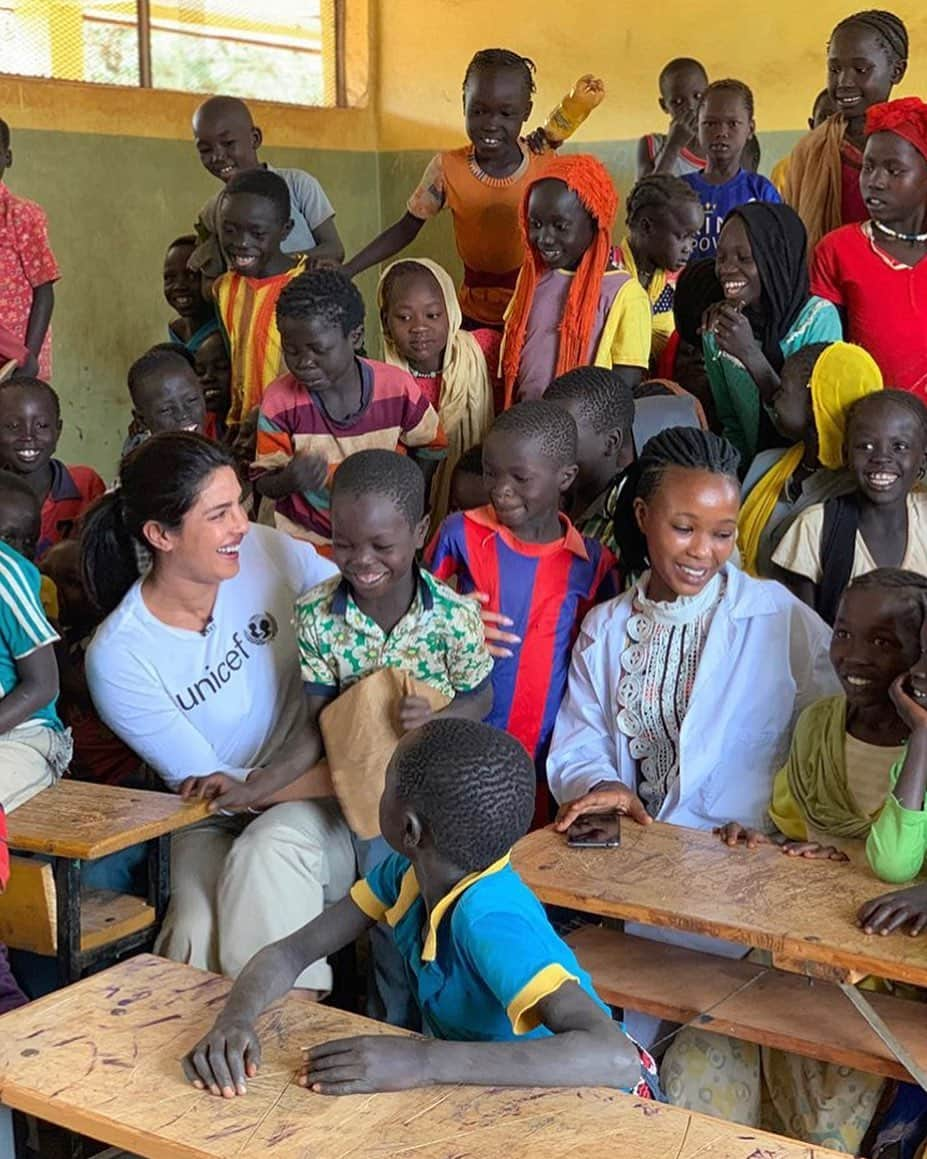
(595, 831)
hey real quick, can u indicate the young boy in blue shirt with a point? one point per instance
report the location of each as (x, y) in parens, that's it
(34, 747)
(494, 982)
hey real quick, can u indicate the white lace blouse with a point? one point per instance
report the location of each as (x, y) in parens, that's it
(662, 650)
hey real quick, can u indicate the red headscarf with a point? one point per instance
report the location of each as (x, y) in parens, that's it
(905, 118)
(589, 180)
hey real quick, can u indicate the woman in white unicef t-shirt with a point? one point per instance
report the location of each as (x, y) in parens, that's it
(196, 668)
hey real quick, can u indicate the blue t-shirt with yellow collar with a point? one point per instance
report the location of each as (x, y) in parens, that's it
(484, 958)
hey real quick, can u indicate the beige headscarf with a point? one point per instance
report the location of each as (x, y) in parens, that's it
(465, 405)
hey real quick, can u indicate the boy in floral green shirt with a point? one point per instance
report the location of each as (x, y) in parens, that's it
(383, 611)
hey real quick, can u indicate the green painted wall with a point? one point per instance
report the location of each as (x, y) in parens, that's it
(113, 204)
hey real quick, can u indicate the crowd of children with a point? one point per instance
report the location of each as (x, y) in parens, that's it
(631, 520)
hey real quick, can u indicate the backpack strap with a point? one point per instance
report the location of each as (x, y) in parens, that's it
(838, 550)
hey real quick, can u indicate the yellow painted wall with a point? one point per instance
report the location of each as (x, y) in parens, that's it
(776, 47)
(117, 172)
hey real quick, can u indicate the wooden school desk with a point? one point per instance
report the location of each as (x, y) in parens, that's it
(102, 1058)
(74, 822)
(802, 912)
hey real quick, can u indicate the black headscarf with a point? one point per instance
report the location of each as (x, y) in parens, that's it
(697, 289)
(780, 250)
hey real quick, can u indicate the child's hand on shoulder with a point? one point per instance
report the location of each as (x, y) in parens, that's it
(733, 833)
(307, 471)
(414, 711)
(222, 1061)
(363, 1065)
(493, 625)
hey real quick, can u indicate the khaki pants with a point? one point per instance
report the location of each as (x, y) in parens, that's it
(238, 884)
(32, 757)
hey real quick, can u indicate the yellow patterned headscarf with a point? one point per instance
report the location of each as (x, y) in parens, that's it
(465, 406)
(841, 375)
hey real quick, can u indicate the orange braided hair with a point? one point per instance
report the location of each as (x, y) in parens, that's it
(588, 178)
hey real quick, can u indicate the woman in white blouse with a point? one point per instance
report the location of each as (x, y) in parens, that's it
(683, 693)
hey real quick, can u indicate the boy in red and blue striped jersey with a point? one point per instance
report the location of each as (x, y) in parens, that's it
(534, 566)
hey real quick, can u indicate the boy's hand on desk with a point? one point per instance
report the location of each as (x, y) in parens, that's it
(605, 798)
(733, 833)
(813, 850)
(493, 623)
(222, 1061)
(414, 711)
(904, 909)
(358, 1066)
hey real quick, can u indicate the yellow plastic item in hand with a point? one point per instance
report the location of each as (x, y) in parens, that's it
(586, 95)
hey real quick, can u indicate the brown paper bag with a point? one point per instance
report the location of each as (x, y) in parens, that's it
(361, 730)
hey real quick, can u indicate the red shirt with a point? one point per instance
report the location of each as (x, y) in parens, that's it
(26, 261)
(72, 491)
(852, 206)
(885, 302)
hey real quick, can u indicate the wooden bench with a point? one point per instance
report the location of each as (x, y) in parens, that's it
(102, 1058)
(801, 1015)
(44, 908)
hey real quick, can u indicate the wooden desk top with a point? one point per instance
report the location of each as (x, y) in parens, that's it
(803, 911)
(76, 819)
(102, 1058)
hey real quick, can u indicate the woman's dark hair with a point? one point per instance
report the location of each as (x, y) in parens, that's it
(687, 447)
(160, 481)
(675, 447)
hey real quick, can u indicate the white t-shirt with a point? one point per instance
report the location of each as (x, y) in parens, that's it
(191, 704)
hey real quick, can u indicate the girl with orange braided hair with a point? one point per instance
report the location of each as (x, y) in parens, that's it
(572, 305)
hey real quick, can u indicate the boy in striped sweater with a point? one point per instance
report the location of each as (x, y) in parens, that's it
(330, 404)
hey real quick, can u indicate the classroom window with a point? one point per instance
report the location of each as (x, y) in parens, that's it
(275, 50)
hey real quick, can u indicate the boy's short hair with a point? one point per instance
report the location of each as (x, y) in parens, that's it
(386, 473)
(679, 64)
(11, 484)
(4, 134)
(326, 294)
(24, 382)
(155, 360)
(894, 397)
(549, 426)
(605, 402)
(472, 785)
(262, 183)
(471, 461)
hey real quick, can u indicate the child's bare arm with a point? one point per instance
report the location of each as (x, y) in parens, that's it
(386, 245)
(586, 1049)
(43, 302)
(328, 244)
(230, 1053)
(414, 711)
(295, 765)
(306, 471)
(37, 685)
